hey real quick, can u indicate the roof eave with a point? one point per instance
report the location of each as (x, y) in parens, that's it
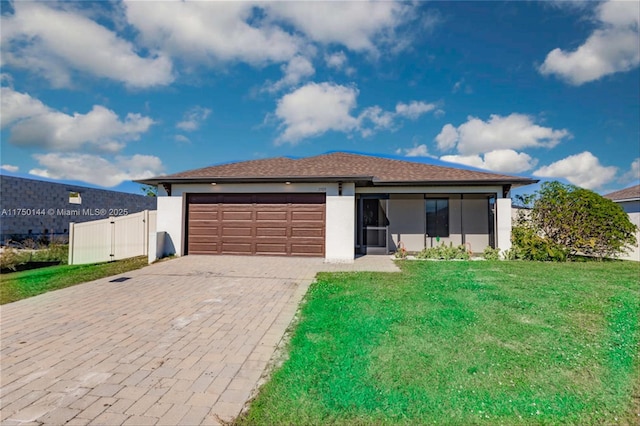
(625, 200)
(362, 180)
(253, 179)
(515, 183)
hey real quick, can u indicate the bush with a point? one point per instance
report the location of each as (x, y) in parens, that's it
(529, 245)
(10, 258)
(55, 252)
(491, 253)
(569, 220)
(444, 252)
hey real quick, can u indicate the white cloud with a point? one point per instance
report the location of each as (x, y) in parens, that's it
(500, 160)
(447, 138)
(316, 108)
(582, 169)
(414, 109)
(193, 118)
(380, 119)
(387, 120)
(16, 106)
(416, 151)
(212, 31)
(358, 25)
(182, 139)
(295, 71)
(515, 131)
(95, 169)
(634, 172)
(336, 60)
(56, 42)
(10, 168)
(613, 47)
(34, 124)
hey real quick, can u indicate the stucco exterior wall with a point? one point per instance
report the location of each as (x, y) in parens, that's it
(340, 228)
(503, 224)
(170, 225)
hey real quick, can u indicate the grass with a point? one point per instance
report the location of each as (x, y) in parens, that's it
(20, 285)
(463, 343)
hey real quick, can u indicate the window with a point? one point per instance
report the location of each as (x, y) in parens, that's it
(437, 217)
(74, 198)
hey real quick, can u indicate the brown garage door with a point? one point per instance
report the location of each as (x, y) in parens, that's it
(249, 224)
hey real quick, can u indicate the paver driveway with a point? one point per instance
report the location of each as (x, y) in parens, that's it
(181, 342)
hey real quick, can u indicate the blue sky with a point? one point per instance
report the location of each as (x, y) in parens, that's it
(101, 93)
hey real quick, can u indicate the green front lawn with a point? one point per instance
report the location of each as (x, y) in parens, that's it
(20, 285)
(463, 343)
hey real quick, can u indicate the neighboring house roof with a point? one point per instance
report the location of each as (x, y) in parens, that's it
(339, 166)
(627, 194)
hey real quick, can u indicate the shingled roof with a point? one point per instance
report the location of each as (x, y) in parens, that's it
(338, 166)
(631, 193)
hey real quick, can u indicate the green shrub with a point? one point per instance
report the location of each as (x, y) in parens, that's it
(580, 221)
(490, 253)
(529, 245)
(444, 252)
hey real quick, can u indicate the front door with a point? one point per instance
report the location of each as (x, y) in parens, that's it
(373, 225)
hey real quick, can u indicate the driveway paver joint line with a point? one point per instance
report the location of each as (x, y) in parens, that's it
(185, 341)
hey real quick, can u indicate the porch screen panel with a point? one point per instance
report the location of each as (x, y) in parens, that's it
(437, 217)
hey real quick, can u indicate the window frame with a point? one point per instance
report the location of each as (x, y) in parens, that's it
(441, 216)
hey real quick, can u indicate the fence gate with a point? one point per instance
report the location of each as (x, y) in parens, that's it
(110, 239)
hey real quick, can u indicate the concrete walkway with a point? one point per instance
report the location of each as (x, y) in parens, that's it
(180, 342)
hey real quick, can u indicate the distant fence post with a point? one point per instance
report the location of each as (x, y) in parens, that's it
(71, 226)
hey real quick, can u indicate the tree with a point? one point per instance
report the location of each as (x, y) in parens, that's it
(581, 221)
(149, 190)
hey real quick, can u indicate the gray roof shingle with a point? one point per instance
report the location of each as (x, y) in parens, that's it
(631, 193)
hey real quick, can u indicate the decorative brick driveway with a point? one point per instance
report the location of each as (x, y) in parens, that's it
(181, 342)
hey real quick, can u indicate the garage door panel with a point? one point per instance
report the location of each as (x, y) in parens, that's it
(203, 215)
(236, 247)
(237, 215)
(203, 248)
(228, 231)
(314, 216)
(203, 207)
(307, 249)
(271, 232)
(201, 223)
(267, 224)
(266, 215)
(307, 232)
(206, 230)
(271, 248)
(203, 239)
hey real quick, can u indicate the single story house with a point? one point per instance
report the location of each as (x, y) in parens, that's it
(335, 206)
(629, 200)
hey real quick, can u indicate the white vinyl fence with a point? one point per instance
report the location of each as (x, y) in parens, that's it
(113, 238)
